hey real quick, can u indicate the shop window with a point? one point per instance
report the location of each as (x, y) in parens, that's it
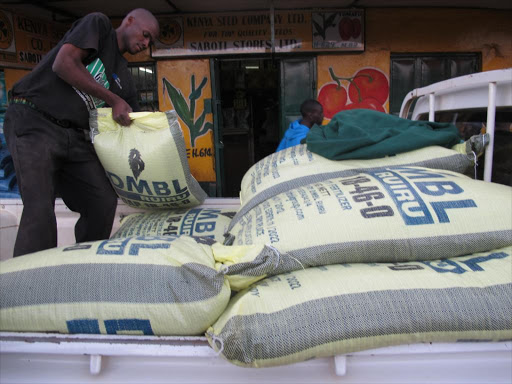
(144, 76)
(410, 71)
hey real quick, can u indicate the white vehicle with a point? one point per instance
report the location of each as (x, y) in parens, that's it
(58, 358)
(481, 101)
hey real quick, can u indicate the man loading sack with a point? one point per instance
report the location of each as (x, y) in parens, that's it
(48, 114)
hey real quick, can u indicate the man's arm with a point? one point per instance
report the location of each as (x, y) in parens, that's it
(68, 65)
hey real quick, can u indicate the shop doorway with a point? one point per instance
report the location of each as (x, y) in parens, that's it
(249, 105)
(255, 100)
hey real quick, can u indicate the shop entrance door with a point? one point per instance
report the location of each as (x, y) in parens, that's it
(247, 114)
(255, 100)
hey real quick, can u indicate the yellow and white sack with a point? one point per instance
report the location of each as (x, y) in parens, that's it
(202, 222)
(141, 285)
(380, 215)
(326, 311)
(147, 161)
(161, 285)
(296, 166)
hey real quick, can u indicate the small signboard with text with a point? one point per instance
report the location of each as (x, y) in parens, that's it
(25, 40)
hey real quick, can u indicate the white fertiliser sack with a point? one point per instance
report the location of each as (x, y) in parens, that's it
(203, 222)
(380, 215)
(146, 162)
(296, 166)
(338, 309)
(141, 285)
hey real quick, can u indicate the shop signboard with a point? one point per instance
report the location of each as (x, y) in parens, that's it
(251, 32)
(25, 40)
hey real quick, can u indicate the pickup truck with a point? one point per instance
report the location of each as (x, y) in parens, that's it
(59, 358)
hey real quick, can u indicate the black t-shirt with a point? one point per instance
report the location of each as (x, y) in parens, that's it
(53, 95)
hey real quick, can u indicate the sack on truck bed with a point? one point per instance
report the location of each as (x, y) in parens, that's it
(141, 285)
(147, 161)
(296, 167)
(203, 222)
(380, 215)
(338, 309)
(169, 285)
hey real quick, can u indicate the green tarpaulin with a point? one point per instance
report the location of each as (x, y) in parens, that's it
(369, 134)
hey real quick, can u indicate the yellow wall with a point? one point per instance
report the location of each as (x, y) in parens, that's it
(442, 30)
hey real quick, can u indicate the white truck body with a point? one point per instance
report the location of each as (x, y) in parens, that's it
(58, 358)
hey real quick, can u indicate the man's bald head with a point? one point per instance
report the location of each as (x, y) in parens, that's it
(138, 30)
(144, 14)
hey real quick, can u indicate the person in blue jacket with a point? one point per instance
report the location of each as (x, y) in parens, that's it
(312, 113)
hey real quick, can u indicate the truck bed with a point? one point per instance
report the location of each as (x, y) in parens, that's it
(53, 358)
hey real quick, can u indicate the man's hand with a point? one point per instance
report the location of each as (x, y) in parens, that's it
(120, 111)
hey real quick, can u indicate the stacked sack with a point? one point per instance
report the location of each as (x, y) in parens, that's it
(162, 285)
(342, 308)
(372, 253)
(296, 166)
(388, 214)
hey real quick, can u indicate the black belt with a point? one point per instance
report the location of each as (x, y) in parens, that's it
(28, 103)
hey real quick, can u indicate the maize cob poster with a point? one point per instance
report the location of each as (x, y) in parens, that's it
(184, 86)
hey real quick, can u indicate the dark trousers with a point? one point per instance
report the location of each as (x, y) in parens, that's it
(50, 160)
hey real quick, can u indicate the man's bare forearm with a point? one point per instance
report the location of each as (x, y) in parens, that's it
(68, 65)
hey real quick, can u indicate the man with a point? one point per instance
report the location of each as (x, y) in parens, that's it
(312, 113)
(47, 121)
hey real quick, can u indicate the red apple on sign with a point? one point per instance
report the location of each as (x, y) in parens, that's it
(349, 28)
(369, 83)
(346, 28)
(333, 99)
